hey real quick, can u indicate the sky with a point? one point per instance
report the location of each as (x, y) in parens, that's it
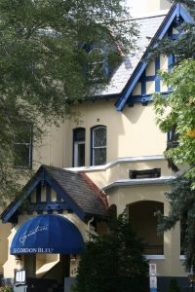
(137, 7)
(142, 7)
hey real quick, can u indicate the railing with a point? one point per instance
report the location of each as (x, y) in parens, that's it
(154, 249)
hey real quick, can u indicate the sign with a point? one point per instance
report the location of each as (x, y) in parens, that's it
(32, 232)
(153, 282)
(20, 277)
(153, 277)
(152, 270)
(22, 250)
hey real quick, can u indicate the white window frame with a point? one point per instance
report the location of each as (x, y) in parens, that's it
(93, 148)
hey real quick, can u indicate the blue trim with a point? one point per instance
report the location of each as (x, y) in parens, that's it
(176, 11)
(38, 193)
(185, 14)
(171, 61)
(149, 78)
(61, 193)
(40, 177)
(157, 79)
(143, 83)
(9, 212)
(144, 99)
(49, 207)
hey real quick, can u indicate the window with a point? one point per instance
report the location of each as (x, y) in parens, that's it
(23, 146)
(96, 64)
(172, 138)
(78, 147)
(98, 145)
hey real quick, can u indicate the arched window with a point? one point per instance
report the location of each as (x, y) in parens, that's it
(98, 145)
(78, 147)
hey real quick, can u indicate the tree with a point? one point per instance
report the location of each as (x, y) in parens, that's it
(177, 111)
(182, 208)
(182, 47)
(44, 63)
(113, 262)
(173, 286)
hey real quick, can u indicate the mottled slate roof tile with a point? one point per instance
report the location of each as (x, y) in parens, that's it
(147, 27)
(81, 189)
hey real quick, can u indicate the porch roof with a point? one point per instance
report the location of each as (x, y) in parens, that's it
(79, 193)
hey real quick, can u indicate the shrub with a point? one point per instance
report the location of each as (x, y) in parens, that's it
(113, 262)
(173, 286)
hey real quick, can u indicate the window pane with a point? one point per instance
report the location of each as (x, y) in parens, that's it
(23, 133)
(22, 155)
(99, 156)
(23, 145)
(81, 155)
(79, 135)
(79, 147)
(99, 137)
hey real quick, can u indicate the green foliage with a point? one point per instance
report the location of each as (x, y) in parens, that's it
(183, 47)
(178, 110)
(173, 286)
(6, 289)
(182, 208)
(43, 63)
(113, 262)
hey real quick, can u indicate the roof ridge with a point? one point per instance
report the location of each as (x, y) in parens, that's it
(150, 16)
(100, 194)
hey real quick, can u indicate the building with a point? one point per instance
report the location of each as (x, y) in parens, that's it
(109, 157)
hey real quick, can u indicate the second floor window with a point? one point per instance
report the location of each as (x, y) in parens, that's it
(23, 146)
(98, 145)
(78, 147)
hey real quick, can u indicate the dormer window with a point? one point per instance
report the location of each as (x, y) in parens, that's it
(99, 61)
(96, 64)
(23, 146)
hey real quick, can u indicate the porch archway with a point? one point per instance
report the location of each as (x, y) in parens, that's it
(144, 221)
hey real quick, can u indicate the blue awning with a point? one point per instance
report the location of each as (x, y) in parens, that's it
(47, 234)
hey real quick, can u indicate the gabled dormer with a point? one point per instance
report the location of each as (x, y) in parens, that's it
(144, 80)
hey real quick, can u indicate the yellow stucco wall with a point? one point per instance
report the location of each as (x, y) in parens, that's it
(132, 133)
(170, 264)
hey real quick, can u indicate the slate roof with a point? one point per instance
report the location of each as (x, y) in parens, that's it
(81, 189)
(147, 27)
(80, 193)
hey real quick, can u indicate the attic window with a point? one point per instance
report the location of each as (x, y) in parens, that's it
(23, 146)
(146, 173)
(96, 64)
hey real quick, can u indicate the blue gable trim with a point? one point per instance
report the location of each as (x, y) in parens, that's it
(176, 11)
(61, 193)
(34, 184)
(14, 206)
